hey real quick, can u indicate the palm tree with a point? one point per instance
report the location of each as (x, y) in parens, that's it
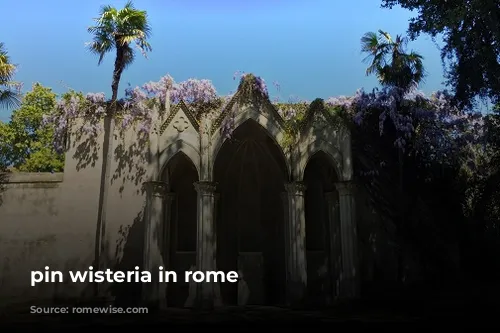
(115, 30)
(395, 68)
(390, 62)
(9, 95)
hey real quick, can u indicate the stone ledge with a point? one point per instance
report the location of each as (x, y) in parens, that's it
(31, 177)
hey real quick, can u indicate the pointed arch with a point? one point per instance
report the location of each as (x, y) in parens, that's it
(267, 123)
(330, 151)
(250, 172)
(180, 147)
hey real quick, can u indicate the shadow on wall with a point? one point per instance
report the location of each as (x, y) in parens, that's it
(128, 167)
(130, 155)
(131, 244)
(131, 162)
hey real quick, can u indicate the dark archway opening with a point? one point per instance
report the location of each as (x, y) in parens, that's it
(322, 236)
(181, 224)
(250, 170)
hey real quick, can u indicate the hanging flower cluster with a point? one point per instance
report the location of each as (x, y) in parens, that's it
(72, 106)
(427, 126)
(87, 112)
(431, 127)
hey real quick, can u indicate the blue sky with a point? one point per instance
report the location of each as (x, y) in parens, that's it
(311, 47)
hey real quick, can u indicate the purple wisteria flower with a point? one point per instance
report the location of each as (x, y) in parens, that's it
(428, 126)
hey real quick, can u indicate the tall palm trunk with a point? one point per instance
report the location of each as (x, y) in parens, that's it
(107, 154)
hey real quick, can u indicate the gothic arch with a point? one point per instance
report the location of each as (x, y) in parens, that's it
(251, 172)
(175, 148)
(272, 128)
(334, 155)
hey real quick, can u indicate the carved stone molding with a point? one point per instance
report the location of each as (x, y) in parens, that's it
(295, 188)
(345, 188)
(181, 124)
(156, 188)
(205, 187)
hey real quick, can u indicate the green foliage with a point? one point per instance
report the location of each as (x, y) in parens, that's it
(9, 90)
(390, 61)
(204, 107)
(471, 35)
(298, 115)
(26, 143)
(116, 30)
(248, 90)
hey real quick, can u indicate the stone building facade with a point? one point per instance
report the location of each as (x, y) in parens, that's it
(191, 198)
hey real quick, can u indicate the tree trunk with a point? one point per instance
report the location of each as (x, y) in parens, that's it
(107, 155)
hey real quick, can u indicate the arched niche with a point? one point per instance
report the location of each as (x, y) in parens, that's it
(250, 172)
(322, 228)
(180, 173)
(310, 147)
(180, 146)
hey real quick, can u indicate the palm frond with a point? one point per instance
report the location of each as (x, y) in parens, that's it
(389, 60)
(9, 98)
(128, 56)
(416, 61)
(386, 36)
(101, 45)
(7, 72)
(7, 69)
(369, 43)
(118, 29)
(377, 63)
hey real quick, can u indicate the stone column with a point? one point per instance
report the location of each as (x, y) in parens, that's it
(349, 285)
(206, 242)
(288, 257)
(166, 245)
(296, 241)
(218, 295)
(154, 293)
(335, 259)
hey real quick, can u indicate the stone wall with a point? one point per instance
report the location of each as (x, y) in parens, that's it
(36, 230)
(50, 219)
(41, 224)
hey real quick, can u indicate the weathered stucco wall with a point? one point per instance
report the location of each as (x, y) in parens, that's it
(50, 219)
(37, 230)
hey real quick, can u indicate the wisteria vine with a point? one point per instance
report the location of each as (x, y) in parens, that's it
(427, 126)
(431, 127)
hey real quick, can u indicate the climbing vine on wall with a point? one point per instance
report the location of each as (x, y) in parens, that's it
(432, 127)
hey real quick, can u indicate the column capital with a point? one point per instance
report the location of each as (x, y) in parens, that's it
(295, 188)
(156, 188)
(205, 187)
(345, 188)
